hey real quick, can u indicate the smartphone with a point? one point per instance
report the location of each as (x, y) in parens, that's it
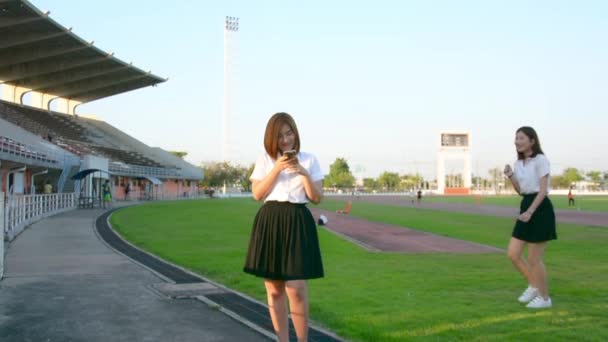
(290, 154)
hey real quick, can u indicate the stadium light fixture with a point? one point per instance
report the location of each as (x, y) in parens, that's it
(232, 24)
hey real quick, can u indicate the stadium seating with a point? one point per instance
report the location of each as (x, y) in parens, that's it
(77, 135)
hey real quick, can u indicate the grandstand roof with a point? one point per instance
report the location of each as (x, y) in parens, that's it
(39, 54)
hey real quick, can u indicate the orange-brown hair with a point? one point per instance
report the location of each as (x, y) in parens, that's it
(273, 131)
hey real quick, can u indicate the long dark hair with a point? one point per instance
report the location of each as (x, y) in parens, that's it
(531, 134)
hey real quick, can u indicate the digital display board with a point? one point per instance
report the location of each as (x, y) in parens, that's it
(454, 140)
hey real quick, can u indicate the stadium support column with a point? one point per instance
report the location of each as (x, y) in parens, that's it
(41, 100)
(230, 28)
(67, 106)
(14, 94)
(46, 100)
(7, 92)
(37, 100)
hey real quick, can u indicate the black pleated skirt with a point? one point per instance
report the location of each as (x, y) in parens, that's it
(541, 226)
(284, 244)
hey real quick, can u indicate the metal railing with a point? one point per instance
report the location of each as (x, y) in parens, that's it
(35, 154)
(122, 169)
(159, 195)
(23, 210)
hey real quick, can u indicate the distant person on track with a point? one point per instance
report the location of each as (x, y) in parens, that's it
(284, 246)
(127, 190)
(412, 195)
(571, 202)
(106, 194)
(535, 225)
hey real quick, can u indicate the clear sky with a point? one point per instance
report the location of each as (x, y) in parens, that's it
(371, 81)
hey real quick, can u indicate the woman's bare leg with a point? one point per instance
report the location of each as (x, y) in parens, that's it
(277, 306)
(514, 252)
(536, 252)
(297, 291)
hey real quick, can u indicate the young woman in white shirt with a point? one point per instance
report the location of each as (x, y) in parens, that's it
(535, 225)
(284, 247)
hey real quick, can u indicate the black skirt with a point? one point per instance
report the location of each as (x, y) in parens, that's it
(541, 226)
(284, 244)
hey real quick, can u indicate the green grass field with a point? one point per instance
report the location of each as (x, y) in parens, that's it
(587, 203)
(394, 297)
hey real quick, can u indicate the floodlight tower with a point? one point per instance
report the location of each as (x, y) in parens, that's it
(231, 27)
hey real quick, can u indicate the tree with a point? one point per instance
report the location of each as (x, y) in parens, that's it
(558, 182)
(220, 173)
(594, 176)
(339, 175)
(246, 182)
(572, 175)
(411, 181)
(453, 180)
(370, 184)
(495, 177)
(389, 180)
(476, 182)
(179, 154)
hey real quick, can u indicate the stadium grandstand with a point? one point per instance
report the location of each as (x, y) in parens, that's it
(58, 150)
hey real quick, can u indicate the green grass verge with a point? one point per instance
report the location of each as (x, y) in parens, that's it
(586, 203)
(394, 297)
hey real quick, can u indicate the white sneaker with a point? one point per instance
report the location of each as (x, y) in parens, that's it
(539, 303)
(529, 294)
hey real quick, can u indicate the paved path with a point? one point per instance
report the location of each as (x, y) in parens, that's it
(63, 284)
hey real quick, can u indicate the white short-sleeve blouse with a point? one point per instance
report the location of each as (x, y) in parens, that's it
(528, 174)
(289, 186)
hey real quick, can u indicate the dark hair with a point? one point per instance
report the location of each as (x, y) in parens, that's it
(273, 131)
(531, 134)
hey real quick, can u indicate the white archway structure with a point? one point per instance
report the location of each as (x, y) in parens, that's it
(454, 145)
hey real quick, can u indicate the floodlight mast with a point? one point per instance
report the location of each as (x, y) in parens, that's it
(231, 27)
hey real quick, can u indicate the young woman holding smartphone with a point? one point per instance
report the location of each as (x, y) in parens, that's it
(284, 247)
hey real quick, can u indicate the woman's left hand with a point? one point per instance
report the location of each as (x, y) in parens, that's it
(298, 168)
(525, 217)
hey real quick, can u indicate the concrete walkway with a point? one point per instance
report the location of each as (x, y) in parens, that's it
(62, 283)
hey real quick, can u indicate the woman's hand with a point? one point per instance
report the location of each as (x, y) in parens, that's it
(525, 216)
(508, 171)
(296, 167)
(284, 163)
(291, 165)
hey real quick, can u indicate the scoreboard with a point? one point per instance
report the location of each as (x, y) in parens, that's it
(454, 140)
